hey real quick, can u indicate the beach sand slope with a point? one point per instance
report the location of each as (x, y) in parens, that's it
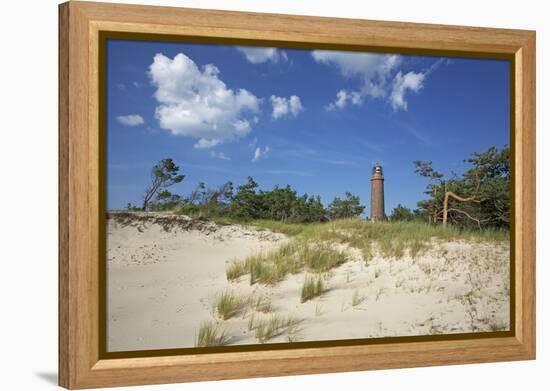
(165, 272)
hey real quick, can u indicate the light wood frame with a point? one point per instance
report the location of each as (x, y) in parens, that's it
(80, 364)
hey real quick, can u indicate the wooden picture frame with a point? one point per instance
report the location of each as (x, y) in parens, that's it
(81, 364)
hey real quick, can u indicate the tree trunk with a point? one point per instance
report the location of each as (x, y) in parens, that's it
(445, 208)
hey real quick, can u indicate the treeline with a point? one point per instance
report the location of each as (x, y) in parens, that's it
(246, 202)
(478, 198)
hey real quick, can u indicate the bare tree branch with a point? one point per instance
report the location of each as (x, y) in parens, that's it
(478, 221)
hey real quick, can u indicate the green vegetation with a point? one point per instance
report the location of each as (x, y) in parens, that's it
(345, 208)
(271, 268)
(312, 287)
(355, 231)
(227, 305)
(401, 213)
(299, 254)
(235, 270)
(246, 203)
(312, 247)
(289, 229)
(273, 326)
(211, 335)
(479, 198)
(262, 304)
(320, 257)
(163, 175)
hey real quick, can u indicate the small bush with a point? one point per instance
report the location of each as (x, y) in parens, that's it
(211, 335)
(313, 287)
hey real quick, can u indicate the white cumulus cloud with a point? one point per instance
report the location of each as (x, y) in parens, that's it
(379, 77)
(196, 103)
(374, 69)
(258, 55)
(411, 81)
(343, 97)
(261, 153)
(130, 120)
(285, 106)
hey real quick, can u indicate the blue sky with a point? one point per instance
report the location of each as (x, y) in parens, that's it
(316, 120)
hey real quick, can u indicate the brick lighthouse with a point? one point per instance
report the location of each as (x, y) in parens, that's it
(377, 194)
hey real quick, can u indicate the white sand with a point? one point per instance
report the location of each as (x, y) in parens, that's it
(161, 285)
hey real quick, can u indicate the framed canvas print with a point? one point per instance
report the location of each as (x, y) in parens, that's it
(251, 195)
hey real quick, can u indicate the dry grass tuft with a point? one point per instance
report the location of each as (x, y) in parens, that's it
(262, 304)
(235, 270)
(227, 305)
(312, 287)
(210, 334)
(275, 325)
(291, 258)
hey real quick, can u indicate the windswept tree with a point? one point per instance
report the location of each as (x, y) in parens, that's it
(479, 197)
(163, 175)
(491, 169)
(348, 207)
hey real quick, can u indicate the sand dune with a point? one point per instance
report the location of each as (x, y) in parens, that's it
(164, 273)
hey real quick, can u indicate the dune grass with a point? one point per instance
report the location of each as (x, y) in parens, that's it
(312, 287)
(395, 239)
(321, 257)
(312, 246)
(235, 270)
(227, 304)
(210, 334)
(289, 229)
(364, 229)
(291, 258)
(273, 326)
(262, 304)
(409, 230)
